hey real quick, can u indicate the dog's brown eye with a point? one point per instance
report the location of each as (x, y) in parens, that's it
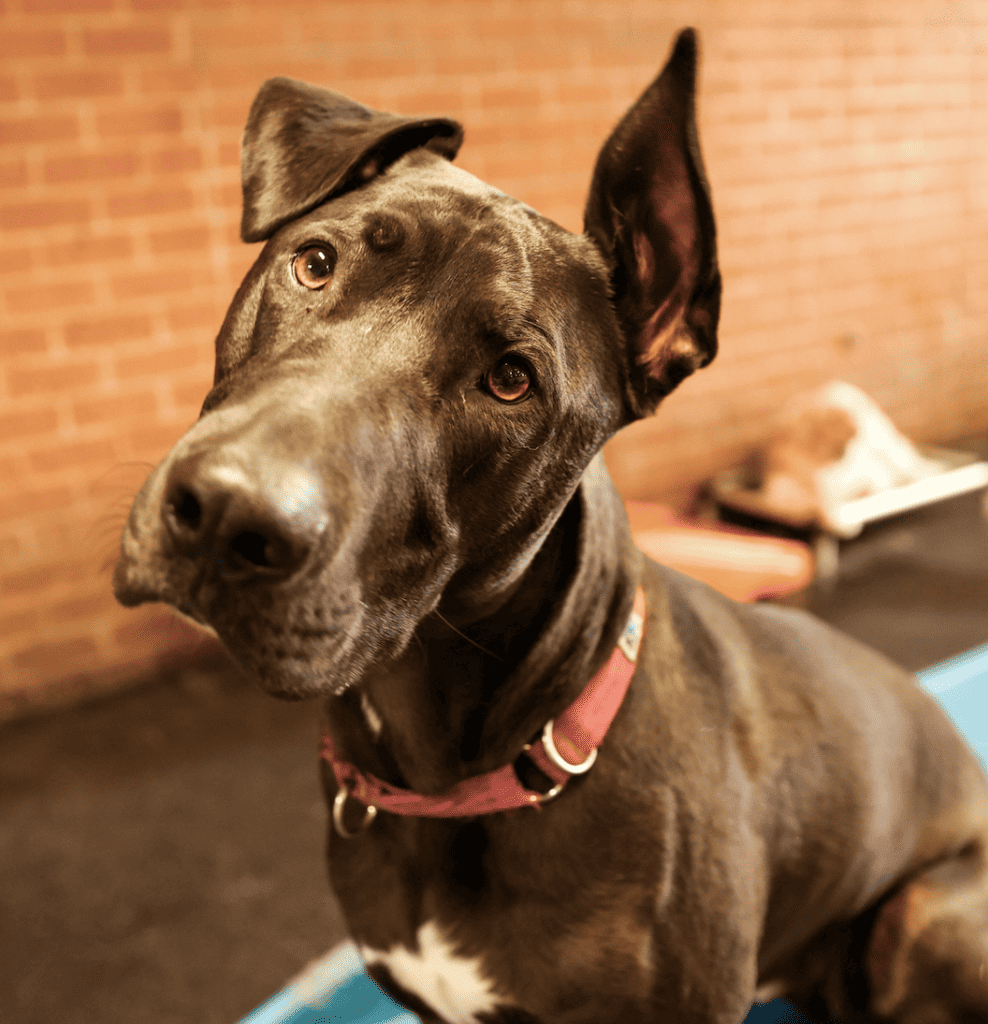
(510, 380)
(313, 267)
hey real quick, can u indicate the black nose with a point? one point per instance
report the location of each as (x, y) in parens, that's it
(258, 520)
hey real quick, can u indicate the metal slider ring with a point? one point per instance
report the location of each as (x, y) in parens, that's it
(339, 803)
(544, 798)
(558, 760)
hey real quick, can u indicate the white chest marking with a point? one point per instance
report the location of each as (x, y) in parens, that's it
(454, 986)
(370, 713)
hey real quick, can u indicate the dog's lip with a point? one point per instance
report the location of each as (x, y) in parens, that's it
(314, 661)
(299, 675)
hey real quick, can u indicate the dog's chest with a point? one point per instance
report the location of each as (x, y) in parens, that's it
(456, 987)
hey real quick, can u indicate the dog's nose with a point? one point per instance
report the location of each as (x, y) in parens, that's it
(259, 520)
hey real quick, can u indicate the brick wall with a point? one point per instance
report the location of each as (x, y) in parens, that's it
(846, 144)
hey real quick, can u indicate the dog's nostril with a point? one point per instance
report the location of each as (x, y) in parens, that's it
(186, 508)
(240, 521)
(254, 548)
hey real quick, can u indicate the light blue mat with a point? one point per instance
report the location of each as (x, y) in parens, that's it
(336, 989)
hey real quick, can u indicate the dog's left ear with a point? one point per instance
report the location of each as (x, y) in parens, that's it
(649, 213)
(303, 144)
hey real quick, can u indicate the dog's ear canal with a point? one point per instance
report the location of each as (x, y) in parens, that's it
(649, 212)
(303, 144)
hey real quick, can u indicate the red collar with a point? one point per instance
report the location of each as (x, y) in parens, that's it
(568, 747)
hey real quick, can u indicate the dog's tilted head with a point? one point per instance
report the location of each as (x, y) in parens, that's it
(414, 375)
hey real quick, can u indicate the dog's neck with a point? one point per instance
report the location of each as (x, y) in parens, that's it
(461, 702)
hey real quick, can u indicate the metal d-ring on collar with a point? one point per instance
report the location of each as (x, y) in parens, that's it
(339, 803)
(556, 758)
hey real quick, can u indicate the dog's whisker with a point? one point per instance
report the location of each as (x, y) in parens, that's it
(468, 639)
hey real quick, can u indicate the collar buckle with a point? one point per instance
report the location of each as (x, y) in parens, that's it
(558, 760)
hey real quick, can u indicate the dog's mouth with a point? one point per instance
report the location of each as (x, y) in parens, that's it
(295, 642)
(291, 653)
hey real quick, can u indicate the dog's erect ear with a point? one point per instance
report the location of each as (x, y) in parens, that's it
(303, 144)
(649, 212)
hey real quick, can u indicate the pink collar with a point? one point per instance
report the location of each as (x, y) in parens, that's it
(568, 747)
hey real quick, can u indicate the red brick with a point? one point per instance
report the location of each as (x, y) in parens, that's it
(160, 282)
(152, 441)
(32, 298)
(384, 66)
(24, 340)
(27, 424)
(22, 131)
(190, 396)
(237, 31)
(195, 317)
(78, 84)
(116, 407)
(169, 79)
(26, 621)
(66, 377)
(508, 96)
(11, 468)
(180, 240)
(179, 158)
(24, 216)
(66, 6)
(163, 361)
(231, 234)
(18, 44)
(150, 202)
(228, 115)
(106, 331)
(229, 195)
(466, 62)
(38, 578)
(87, 250)
(229, 154)
(33, 500)
(139, 122)
(15, 261)
(144, 6)
(126, 42)
(13, 173)
(90, 167)
(75, 455)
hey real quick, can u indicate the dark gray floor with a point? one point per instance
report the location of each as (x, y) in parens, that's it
(160, 851)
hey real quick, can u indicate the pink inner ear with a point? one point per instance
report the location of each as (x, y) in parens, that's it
(645, 258)
(661, 337)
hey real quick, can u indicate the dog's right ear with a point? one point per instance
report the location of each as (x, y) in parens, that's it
(303, 144)
(650, 215)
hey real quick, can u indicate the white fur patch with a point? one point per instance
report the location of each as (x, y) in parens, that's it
(454, 986)
(374, 722)
(770, 990)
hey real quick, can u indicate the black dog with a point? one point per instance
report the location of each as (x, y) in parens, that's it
(393, 500)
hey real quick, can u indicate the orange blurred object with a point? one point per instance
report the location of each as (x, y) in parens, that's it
(743, 565)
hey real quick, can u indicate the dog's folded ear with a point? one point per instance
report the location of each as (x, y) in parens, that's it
(303, 144)
(650, 214)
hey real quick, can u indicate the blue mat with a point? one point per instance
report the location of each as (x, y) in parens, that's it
(336, 989)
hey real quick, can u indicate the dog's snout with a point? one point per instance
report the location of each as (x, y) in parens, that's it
(260, 520)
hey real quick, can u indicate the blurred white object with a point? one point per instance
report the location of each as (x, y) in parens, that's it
(835, 461)
(877, 458)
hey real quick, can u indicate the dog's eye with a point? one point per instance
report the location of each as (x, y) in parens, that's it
(313, 267)
(510, 380)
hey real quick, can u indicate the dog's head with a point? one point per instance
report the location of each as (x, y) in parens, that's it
(414, 375)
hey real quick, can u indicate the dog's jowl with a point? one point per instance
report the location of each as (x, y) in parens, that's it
(565, 783)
